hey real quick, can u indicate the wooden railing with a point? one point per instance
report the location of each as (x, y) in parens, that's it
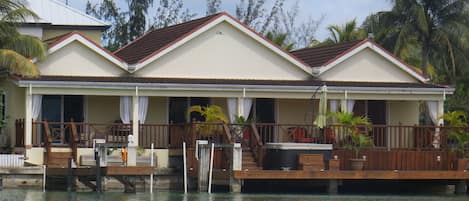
(256, 145)
(385, 137)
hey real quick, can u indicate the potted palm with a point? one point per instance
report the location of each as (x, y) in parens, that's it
(356, 140)
(457, 133)
(213, 114)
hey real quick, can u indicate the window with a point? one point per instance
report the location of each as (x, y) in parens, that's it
(178, 107)
(57, 108)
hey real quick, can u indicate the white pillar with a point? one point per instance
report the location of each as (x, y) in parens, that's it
(28, 123)
(241, 107)
(132, 146)
(441, 111)
(135, 122)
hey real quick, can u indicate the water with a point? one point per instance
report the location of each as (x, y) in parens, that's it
(31, 195)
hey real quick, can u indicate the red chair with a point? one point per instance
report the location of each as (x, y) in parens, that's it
(299, 135)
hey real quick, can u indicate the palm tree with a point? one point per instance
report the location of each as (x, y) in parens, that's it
(280, 39)
(343, 33)
(437, 28)
(16, 50)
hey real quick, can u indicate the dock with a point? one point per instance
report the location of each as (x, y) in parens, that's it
(349, 175)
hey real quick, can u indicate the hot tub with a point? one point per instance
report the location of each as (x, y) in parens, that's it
(284, 156)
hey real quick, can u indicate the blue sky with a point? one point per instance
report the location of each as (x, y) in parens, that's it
(334, 11)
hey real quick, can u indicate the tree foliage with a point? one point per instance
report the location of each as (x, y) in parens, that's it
(344, 33)
(438, 28)
(16, 50)
(131, 22)
(213, 6)
(278, 20)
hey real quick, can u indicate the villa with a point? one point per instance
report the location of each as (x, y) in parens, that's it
(145, 88)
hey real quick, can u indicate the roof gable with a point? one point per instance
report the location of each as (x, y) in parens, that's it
(188, 34)
(63, 41)
(57, 13)
(368, 44)
(223, 52)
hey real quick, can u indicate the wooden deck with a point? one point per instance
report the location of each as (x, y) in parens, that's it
(352, 175)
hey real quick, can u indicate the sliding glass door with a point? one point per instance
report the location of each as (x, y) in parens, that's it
(58, 109)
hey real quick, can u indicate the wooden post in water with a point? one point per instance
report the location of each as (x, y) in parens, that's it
(69, 175)
(1, 182)
(98, 175)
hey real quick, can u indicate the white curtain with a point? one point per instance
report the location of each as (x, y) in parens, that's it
(350, 104)
(125, 108)
(433, 111)
(247, 107)
(37, 105)
(142, 108)
(334, 105)
(232, 105)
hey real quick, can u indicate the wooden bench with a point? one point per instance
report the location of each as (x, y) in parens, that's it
(311, 162)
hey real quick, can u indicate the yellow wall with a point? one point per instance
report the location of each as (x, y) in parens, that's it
(157, 110)
(15, 106)
(103, 109)
(296, 111)
(405, 112)
(229, 55)
(94, 35)
(367, 66)
(222, 103)
(76, 59)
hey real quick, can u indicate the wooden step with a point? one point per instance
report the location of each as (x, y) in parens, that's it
(58, 159)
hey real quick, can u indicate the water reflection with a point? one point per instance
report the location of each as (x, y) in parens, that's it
(19, 195)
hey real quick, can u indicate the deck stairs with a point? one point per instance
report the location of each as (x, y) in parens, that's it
(249, 163)
(59, 159)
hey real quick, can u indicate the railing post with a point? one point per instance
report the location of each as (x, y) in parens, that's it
(388, 139)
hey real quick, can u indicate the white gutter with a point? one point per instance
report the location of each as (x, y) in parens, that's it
(227, 87)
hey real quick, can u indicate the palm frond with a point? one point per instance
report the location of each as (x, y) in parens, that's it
(17, 64)
(28, 46)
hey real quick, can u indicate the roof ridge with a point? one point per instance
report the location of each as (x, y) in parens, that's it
(168, 27)
(330, 45)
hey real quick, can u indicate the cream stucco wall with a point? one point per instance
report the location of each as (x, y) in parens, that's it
(157, 110)
(296, 111)
(103, 109)
(367, 66)
(76, 59)
(94, 35)
(14, 106)
(223, 52)
(405, 112)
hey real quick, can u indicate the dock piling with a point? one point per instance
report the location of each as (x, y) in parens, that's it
(333, 187)
(69, 175)
(460, 187)
(98, 175)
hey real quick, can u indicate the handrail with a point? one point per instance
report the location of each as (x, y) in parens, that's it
(74, 141)
(48, 141)
(227, 134)
(256, 145)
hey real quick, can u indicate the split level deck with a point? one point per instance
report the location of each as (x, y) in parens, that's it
(399, 152)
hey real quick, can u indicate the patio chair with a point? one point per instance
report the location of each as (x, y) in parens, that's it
(299, 135)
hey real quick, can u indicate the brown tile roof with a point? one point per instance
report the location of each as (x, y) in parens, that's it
(156, 40)
(230, 82)
(317, 56)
